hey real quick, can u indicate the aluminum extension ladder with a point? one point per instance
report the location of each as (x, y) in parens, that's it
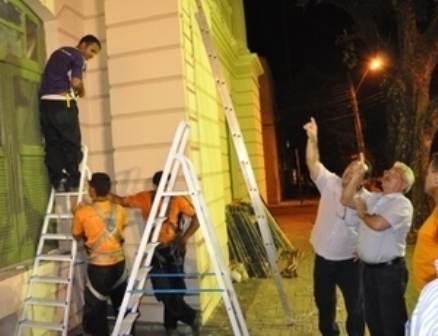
(176, 159)
(59, 277)
(242, 154)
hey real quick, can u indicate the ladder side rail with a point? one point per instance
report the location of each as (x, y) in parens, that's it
(140, 259)
(180, 141)
(86, 174)
(69, 289)
(244, 161)
(216, 257)
(178, 145)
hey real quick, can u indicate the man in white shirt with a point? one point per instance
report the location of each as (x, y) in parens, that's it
(334, 239)
(386, 219)
(424, 318)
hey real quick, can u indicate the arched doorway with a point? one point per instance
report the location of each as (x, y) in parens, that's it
(23, 182)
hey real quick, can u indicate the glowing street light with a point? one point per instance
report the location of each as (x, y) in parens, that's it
(373, 65)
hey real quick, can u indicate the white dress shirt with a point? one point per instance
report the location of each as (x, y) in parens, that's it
(334, 235)
(382, 246)
(424, 320)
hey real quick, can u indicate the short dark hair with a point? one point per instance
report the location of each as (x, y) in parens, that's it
(157, 177)
(101, 183)
(90, 39)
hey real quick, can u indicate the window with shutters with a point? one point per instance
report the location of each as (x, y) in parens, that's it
(24, 187)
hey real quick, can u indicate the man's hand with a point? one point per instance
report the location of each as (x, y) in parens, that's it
(359, 168)
(181, 243)
(311, 129)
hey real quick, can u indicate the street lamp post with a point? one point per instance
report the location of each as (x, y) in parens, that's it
(375, 64)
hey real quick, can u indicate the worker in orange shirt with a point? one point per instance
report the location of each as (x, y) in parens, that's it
(169, 255)
(101, 226)
(426, 249)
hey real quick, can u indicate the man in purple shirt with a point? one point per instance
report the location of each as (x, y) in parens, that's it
(61, 84)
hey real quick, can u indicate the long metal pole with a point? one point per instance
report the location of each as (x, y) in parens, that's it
(356, 114)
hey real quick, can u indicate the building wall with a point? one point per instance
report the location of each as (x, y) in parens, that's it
(151, 74)
(267, 106)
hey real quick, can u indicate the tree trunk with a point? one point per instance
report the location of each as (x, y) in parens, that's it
(411, 127)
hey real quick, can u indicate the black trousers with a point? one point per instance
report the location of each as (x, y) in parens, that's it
(384, 291)
(103, 280)
(62, 138)
(175, 307)
(347, 275)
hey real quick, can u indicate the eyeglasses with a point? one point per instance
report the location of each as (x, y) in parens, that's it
(395, 172)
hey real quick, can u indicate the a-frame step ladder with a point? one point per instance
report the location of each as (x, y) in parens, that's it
(242, 154)
(54, 266)
(176, 160)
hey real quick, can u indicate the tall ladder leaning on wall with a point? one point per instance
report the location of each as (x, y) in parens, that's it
(60, 276)
(242, 154)
(177, 163)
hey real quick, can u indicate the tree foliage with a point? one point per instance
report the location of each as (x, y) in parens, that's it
(405, 33)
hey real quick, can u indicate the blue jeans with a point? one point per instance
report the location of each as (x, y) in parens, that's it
(347, 275)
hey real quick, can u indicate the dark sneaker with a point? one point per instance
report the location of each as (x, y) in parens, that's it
(61, 185)
(172, 332)
(71, 185)
(197, 324)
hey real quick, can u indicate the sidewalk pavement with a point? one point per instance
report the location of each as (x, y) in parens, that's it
(260, 300)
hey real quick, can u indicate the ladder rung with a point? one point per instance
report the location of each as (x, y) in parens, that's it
(59, 216)
(180, 275)
(134, 299)
(46, 302)
(143, 272)
(70, 193)
(127, 322)
(57, 236)
(150, 247)
(55, 257)
(177, 193)
(42, 325)
(177, 291)
(49, 279)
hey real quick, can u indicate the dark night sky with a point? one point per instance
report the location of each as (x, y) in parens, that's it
(310, 77)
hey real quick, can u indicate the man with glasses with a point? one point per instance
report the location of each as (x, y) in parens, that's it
(386, 220)
(334, 237)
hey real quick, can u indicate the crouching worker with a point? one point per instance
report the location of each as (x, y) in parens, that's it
(169, 255)
(101, 226)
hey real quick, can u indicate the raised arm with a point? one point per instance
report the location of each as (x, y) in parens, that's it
(356, 170)
(312, 151)
(123, 201)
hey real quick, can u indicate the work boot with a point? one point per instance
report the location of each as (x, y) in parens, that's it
(172, 332)
(196, 324)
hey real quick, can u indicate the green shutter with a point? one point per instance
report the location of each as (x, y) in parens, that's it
(8, 236)
(35, 196)
(24, 188)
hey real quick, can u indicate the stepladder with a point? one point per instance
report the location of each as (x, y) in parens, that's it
(178, 164)
(242, 154)
(56, 280)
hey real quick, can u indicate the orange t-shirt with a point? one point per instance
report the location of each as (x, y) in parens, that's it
(87, 222)
(426, 251)
(178, 204)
